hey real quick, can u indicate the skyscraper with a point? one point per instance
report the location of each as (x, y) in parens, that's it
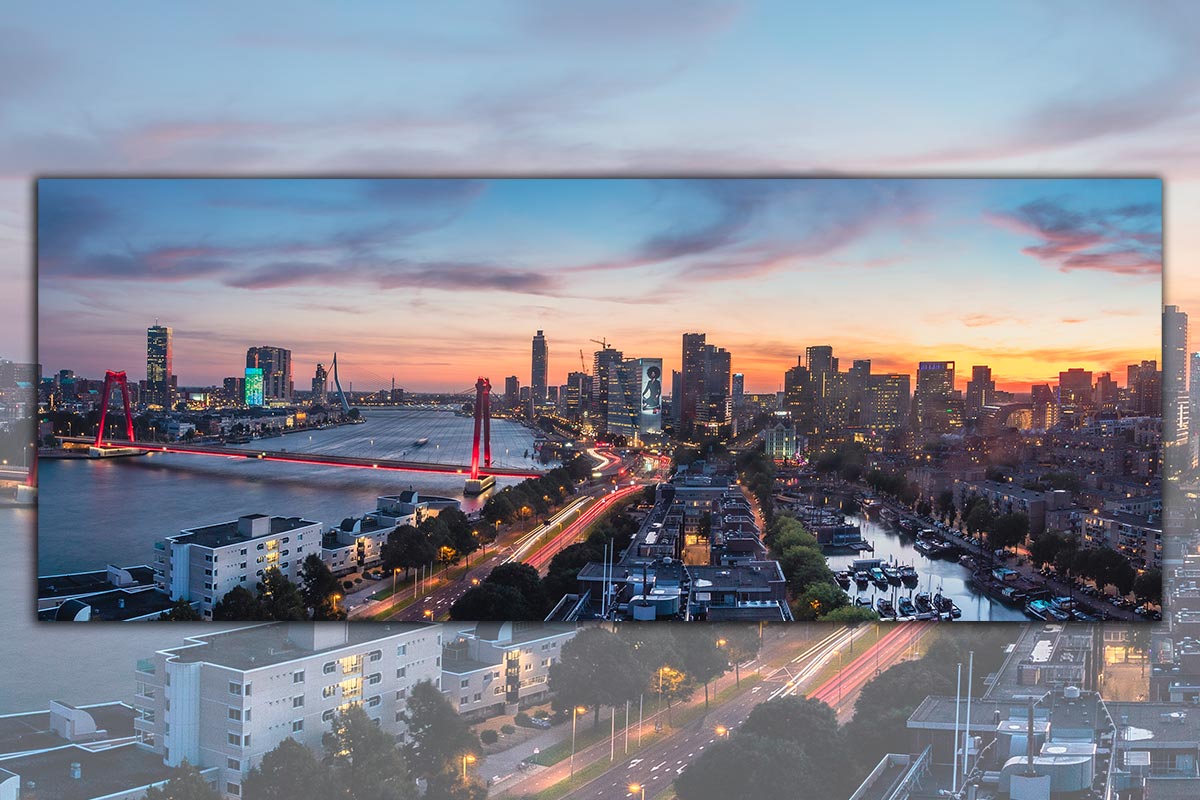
(537, 378)
(1194, 387)
(1176, 414)
(885, 406)
(690, 378)
(512, 391)
(276, 366)
(159, 378)
(981, 391)
(739, 391)
(1144, 384)
(714, 405)
(320, 383)
(933, 402)
(1075, 387)
(606, 366)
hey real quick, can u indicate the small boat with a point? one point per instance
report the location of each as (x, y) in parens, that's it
(892, 573)
(926, 548)
(922, 602)
(424, 440)
(864, 602)
(944, 605)
(862, 579)
(885, 608)
(908, 526)
(908, 574)
(878, 578)
(888, 516)
(843, 579)
(907, 609)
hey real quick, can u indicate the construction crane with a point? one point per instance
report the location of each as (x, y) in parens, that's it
(602, 342)
(582, 363)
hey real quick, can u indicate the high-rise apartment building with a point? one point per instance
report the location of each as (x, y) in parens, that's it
(276, 366)
(933, 401)
(981, 391)
(714, 404)
(1177, 411)
(160, 379)
(738, 391)
(539, 370)
(1145, 388)
(574, 394)
(887, 401)
(691, 377)
(1075, 388)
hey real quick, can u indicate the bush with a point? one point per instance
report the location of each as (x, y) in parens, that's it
(542, 713)
(522, 719)
(507, 729)
(489, 736)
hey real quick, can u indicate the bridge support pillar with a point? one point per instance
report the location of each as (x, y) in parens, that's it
(112, 380)
(478, 484)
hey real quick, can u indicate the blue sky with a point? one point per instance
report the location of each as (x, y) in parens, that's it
(598, 88)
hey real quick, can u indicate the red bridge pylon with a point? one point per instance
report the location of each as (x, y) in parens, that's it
(112, 379)
(483, 419)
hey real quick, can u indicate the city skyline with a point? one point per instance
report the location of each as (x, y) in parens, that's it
(437, 281)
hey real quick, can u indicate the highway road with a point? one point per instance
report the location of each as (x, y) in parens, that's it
(656, 767)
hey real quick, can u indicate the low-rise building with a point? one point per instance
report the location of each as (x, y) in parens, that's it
(498, 667)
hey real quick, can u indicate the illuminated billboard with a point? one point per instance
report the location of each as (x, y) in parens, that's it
(254, 386)
(650, 419)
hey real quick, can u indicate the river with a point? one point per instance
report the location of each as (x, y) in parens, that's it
(94, 512)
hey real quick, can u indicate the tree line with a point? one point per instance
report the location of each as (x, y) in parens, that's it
(535, 496)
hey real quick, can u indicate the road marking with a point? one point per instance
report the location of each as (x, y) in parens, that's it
(663, 764)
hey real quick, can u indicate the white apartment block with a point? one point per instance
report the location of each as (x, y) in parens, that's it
(201, 565)
(226, 699)
(358, 542)
(495, 668)
(1139, 537)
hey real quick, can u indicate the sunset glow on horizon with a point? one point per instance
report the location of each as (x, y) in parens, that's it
(434, 282)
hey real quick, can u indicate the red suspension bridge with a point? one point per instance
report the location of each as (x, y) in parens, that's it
(479, 474)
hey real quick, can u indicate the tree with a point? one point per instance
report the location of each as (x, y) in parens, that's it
(438, 738)
(279, 598)
(526, 580)
(460, 533)
(747, 766)
(850, 615)
(1147, 587)
(944, 504)
(237, 604)
(319, 587)
(818, 600)
(1008, 530)
(492, 601)
(180, 611)
(742, 641)
(365, 762)
(809, 724)
(407, 548)
(597, 668)
(185, 783)
(289, 772)
(980, 517)
(804, 567)
(1044, 548)
(703, 658)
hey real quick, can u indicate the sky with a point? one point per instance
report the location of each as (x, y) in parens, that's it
(711, 87)
(437, 281)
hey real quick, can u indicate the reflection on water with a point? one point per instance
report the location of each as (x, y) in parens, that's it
(948, 577)
(97, 512)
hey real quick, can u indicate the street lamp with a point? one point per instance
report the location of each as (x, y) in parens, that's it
(429, 614)
(395, 572)
(722, 731)
(637, 788)
(575, 712)
(467, 759)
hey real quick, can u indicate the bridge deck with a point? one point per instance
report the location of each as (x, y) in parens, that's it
(310, 458)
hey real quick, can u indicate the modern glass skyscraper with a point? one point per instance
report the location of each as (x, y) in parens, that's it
(537, 375)
(981, 390)
(159, 390)
(1174, 375)
(276, 366)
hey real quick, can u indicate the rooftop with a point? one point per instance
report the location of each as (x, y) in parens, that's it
(102, 773)
(88, 582)
(31, 731)
(226, 533)
(260, 646)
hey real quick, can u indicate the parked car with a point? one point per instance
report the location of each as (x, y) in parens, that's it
(538, 722)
